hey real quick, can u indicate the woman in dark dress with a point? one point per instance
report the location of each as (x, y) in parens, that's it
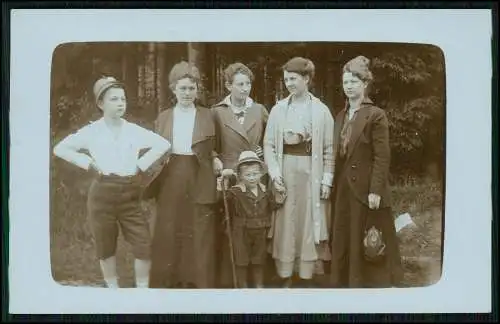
(185, 190)
(365, 251)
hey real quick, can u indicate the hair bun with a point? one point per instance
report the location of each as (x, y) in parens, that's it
(309, 65)
(362, 61)
(360, 67)
(183, 69)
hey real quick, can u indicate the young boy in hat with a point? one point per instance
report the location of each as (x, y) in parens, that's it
(114, 198)
(250, 206)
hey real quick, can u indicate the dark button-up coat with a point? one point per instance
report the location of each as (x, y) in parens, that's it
(233, 137)
(248, 210)
(368, 156)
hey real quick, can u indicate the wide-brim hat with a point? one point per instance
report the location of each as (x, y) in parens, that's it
(103, 84)
(250, 157)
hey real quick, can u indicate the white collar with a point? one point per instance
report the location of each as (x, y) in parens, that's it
(227, 101)
(244, 188)
(354, 109)
(101, 123)
(186, 111)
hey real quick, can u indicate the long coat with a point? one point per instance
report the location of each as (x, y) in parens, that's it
(185, 190)
(368, 153)
(364, 170)
(233, 137)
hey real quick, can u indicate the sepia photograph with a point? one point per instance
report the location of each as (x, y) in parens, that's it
(328, 161)
(247, 165)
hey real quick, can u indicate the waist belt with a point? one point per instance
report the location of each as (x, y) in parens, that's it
(301, 149)
(117, 178)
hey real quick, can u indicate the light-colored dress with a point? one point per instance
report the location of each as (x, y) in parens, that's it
(300, 229)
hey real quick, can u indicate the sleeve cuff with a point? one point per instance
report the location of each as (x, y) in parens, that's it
(142, 165)
(274, 174)
(327, 179)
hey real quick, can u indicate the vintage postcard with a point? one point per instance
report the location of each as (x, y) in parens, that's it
(231, 161)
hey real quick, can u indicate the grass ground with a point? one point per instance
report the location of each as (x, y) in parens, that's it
(72, 246)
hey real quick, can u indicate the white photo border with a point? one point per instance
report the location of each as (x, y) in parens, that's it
(463, 35)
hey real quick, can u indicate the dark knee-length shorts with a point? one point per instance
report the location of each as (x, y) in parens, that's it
(114, 202)
(249, 245)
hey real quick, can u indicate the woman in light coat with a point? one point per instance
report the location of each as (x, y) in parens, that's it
(298, 149)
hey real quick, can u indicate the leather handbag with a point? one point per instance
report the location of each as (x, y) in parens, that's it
(373, 241)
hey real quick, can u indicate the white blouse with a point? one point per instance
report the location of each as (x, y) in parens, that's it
(183, 126)
(113, 154)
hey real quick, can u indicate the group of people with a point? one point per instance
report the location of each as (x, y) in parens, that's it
(236, 182)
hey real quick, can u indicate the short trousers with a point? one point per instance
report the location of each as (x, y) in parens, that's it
(115, 202)
(250, 245)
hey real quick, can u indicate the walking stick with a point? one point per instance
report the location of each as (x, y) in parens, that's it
(229, 236)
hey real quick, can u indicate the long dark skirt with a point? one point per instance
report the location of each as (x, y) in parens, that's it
(183, 241)
(349, 268)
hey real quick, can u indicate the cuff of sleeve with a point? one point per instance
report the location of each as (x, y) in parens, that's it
(143, 165)
(215, 154)
(85, 163)
(374, 190)
(327, 179)
(274, 174)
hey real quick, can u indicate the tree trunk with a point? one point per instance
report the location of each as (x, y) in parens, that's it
(196, 52)
(124, 64)
(140, 76)
(150, 70)
(161, 85)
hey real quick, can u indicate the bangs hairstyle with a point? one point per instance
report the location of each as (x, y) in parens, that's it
(236, 68)
(181, 71)
(359, 67)
(300, 65)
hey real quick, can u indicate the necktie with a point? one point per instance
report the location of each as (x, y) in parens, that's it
(240, 116)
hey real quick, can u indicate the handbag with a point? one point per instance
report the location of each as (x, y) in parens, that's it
(373, 241)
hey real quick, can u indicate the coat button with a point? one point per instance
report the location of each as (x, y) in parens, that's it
(353, 178)
(353, 166)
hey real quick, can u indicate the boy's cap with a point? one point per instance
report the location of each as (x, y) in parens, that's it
(247, 157)
(104, 84)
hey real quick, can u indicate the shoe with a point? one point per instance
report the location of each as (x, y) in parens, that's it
(288, 283)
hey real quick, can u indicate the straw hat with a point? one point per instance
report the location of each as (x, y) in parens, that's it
(247, 157)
